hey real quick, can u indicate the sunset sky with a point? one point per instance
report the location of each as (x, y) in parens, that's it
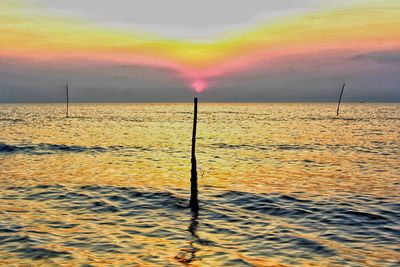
(148, 50)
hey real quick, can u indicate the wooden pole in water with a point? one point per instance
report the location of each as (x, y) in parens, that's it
(66, 87)
(194, 202)
(340, 100)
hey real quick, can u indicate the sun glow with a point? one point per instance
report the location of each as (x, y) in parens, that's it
(199, 85)
(32, 32)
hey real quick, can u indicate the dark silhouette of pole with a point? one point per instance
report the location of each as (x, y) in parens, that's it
(66, 87)
(340, 100)
(194, 202)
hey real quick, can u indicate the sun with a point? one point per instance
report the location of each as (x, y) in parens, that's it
(199, 85)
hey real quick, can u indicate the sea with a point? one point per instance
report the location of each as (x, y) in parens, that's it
(279, 184)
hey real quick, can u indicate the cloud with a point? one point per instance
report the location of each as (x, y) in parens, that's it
(187, 19)
(380, 57)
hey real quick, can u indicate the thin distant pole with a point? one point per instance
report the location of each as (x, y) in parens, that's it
(340, 100)
(66, 87)
(194, 202)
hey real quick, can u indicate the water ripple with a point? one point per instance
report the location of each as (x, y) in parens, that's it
(123, 221)
(44, 149)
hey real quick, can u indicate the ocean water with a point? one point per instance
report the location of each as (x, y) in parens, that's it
(279, 185)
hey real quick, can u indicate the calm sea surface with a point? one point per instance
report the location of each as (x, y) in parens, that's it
(279, 185)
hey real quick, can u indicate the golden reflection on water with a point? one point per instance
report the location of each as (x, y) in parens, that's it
(255, 148)
(247, 146)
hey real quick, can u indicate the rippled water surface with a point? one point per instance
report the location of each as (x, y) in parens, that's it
(279, 185)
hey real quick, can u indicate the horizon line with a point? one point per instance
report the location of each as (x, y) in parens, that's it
(207, 101)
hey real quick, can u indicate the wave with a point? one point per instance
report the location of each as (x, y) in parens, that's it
(11, 120)
(43, 149)
(375, 148)
(266, 147)
(294, 226)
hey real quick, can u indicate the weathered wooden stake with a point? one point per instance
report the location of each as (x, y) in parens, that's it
(194, 202)
(66, 87)
(340, 100)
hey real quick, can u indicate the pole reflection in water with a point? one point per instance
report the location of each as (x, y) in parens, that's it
(188, 254)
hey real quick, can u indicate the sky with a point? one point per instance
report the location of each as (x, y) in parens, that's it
(170, 51)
